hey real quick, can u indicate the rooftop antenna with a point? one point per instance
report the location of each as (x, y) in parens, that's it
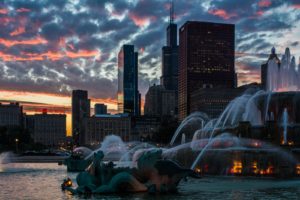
(171, 12)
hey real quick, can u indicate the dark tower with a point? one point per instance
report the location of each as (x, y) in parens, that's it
(80, 110)
(169, 78)
(128, 94)
(206, 60)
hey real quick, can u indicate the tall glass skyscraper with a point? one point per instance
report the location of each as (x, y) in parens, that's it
(206, 59)
(169, 78)
(80, 109)
(128, 94)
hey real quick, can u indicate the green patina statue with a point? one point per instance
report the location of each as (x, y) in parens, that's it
(152, 175)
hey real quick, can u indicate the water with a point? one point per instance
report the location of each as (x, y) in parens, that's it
(112, 145)
(284, 77)
(42, 181)
(194, 118)
(285, 121)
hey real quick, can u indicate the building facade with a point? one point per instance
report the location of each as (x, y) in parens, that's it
(49, 129)
(169, 78)
(128, 94)
(80, 110)
(100, 109)
(144, 127)
(97, 127)
(11, 115)
(206, 60)
(159, 101)
(213, 101)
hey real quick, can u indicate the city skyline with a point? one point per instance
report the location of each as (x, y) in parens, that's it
(46, 52)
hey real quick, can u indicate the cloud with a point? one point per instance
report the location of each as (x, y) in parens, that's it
(54, 46)
(23, 10)
(33, 41)
(222, 13)
(18, 31)
(264, 3)
(3, 11)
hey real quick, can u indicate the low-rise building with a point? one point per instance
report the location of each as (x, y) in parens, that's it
(48, 129)
(99, 126)
(11, 115)
(144, 127)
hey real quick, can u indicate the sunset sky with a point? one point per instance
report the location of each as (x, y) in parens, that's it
(50, 47)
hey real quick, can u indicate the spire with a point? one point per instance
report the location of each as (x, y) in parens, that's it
(273, 51)
(171, 11)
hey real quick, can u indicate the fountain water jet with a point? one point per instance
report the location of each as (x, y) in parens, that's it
(182, 138)
(193, 118)
(285, 121)
(282, 75)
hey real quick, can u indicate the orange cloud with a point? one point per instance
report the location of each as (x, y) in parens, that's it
(71, 46)
(142, 50)
(82, 53)
(34, 41)
(6, 20)
(222, 13)
(264, 3)
(18, 31)
(53, 55)
(259, 13)
(8, 58)
(247, 74)
(50, 55)
(297, 6)
(23, 10)
(141, 21)
(3, 11)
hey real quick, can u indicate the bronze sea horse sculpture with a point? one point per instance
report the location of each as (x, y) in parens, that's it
(152, 174)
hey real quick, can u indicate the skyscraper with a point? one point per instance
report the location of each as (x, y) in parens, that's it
(80, 111)
(159, 101)
(100, 109)
(206, 59)
(128, 94)
(169, 78)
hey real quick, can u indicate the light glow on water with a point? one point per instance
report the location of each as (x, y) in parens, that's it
(42, 181)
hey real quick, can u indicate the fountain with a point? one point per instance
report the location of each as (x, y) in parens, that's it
(255, 110)
(78, 160)
(4, 158)
(191, 119)
(112, 146)
(282, 75)
(285, 121)
(243, 140)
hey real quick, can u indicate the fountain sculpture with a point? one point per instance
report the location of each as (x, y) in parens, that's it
(152, 174)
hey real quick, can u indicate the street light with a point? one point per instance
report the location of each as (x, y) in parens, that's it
(17, 140)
